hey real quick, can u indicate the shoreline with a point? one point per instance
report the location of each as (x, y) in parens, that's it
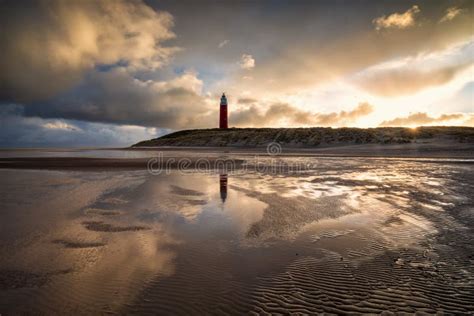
(187, 158)
(424, 150)
(193, 163)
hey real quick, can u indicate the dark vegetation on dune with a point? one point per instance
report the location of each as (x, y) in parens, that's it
(310, 137)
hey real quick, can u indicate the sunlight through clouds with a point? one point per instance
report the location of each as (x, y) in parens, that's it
(136, 63)
(397, 20)
(451, 13)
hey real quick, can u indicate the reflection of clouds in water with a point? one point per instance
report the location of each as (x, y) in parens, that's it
(370, 194)
(243, 211)
(176, 195)
(117, 270)
(91, 270)
(352, 213)
(196, 198)
(393, 178)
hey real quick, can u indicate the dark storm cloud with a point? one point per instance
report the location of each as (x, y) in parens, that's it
(17, 130)
(116, 97)
(47, 46)
(82, 60)
(161, 63)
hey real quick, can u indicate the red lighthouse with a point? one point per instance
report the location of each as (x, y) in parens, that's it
(223, 113)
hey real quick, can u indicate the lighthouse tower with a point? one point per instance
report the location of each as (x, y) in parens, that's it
(223, 112)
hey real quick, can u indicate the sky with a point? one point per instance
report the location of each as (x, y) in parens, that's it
(111, 73)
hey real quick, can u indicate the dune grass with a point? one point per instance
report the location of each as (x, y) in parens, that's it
(309, 137)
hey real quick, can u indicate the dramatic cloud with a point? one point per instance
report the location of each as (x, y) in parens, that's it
(342, 118)
(247, 61)
(47, 46)
(283, 114)
(404, 81)
(324, 60)
(17, 130)
(420, 118)
(116, 97)
(397, 20)
(223, 43)
(275, 114)
(451, 13)
(80, 65)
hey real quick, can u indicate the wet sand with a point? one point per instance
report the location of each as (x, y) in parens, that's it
(345, 235)
(432, 148)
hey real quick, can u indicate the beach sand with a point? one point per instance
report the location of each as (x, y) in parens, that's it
(339, 235)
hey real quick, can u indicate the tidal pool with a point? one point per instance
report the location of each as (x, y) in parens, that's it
(347, 235)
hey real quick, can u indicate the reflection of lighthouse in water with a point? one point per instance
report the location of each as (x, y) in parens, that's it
(223, 186)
